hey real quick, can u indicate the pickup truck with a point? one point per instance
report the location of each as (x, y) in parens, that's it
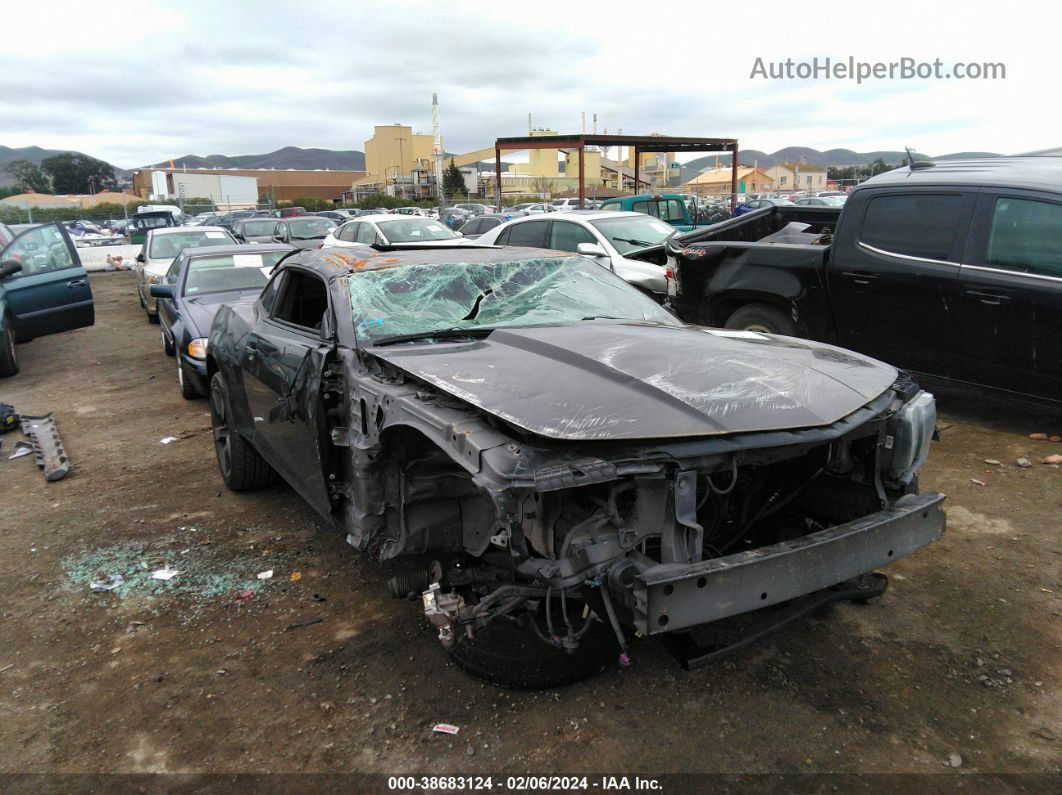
(951, 270)
(669, 207)
(43, 288)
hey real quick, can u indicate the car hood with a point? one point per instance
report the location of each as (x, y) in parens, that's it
(199, 311)
(593, 381)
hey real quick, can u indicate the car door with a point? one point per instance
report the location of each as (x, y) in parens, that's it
(893, 275)
(348, 233)
(367, 234)
(1010, 307)
(51, 293)
(168, 306)
(533, 234)
(283, 359)
(566, 236)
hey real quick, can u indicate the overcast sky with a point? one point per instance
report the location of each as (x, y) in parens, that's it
(138, 82)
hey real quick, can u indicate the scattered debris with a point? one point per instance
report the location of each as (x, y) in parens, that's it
(167, 439)
(1038, 437)
(1055, 439)
(309, 623)
(1043, 732)
(21, 449)
(7, 667)
(265, 575)
(243, 595)
(994, 462)
(954, 760)
(1023, 462)
(8, 418)
(1053, 459)
(164, 574)
(296, 576)
(318, 598)
(977, 482)
(112, 582)
(445, 728)
(47, 446)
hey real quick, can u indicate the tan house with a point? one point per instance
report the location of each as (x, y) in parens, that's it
(790, 177)
(716, 182)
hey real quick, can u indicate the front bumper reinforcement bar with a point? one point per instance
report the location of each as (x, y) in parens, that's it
(675, 596)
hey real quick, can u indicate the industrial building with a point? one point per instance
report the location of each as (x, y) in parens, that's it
(280, 185)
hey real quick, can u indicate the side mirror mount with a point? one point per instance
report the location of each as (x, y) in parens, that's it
(591, 250)
(279, 239)
(161, 290)
(9, 268)
(459, 233)
(140, 258)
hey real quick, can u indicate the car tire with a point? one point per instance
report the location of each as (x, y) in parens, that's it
(188, 391)
(8, 359)
(167, 346)
(763, 318)
(510, 655)
(241, 467)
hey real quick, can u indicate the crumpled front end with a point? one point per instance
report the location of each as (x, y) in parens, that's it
(647, 537)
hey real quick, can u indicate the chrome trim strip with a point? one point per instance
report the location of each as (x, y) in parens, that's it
(908, 257)
(1015, 273)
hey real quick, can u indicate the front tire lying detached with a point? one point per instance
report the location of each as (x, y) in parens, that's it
(509, 654)
(242, 468)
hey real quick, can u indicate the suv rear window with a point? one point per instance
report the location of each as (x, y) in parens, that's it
(916, 225)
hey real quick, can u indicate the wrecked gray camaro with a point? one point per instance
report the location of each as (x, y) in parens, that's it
(565, 465)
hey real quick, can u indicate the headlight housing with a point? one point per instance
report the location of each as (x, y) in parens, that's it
(910, 433)
(197, 348)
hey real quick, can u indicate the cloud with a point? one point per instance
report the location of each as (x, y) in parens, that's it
(247, 77)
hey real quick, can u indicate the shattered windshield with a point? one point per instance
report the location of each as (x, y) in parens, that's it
(413, 299)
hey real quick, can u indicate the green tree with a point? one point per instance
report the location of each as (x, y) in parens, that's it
(28, 176)
(76, 173)
(453, 180)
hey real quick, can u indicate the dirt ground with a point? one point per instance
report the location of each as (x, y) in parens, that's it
(956, 669)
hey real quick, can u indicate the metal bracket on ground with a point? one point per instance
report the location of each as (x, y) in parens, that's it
(47, 446)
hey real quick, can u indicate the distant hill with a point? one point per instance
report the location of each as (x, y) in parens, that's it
(287, 157)
(34, 154)
(831, 157)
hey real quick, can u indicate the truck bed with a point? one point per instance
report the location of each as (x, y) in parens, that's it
(760, 225)
(720, 267)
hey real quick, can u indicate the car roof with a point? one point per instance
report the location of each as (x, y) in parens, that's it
(1030, 172)
(388, 217)
(335, 262)
(242, 248)
(170, 230)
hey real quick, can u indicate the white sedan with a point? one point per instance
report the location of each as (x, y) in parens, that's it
(384, 230)
(161, 247)
(614, 240)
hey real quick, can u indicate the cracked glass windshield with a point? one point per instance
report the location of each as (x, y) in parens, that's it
(414, 299)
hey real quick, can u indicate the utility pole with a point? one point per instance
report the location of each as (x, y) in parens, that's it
(438, 152)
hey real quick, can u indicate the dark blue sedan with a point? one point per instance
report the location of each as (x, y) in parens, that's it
(197, 285)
